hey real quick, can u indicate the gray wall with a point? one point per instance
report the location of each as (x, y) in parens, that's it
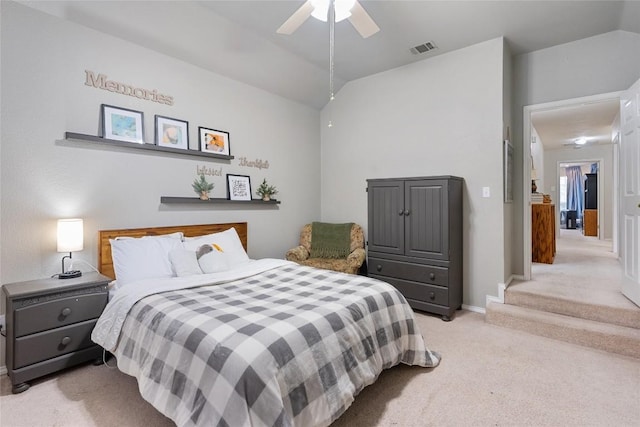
(44, 178)
(595, 65)
(440, 116)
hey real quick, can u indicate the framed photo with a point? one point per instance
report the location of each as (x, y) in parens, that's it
(122, 124)
(214, 141)
(238, 187)
(508, 171)
(172, 133)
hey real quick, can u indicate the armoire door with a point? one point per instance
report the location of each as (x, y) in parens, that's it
(427, 219)
(386, 216)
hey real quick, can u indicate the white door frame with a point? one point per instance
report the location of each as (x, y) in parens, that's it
(526, 167)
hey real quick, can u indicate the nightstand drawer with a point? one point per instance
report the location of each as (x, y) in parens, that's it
(60, 312)
(408, 271)
(45, 345)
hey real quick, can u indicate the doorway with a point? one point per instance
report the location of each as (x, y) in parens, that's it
(580, 198)
(566, 145)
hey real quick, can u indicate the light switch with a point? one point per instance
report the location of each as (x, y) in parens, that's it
(486, 192)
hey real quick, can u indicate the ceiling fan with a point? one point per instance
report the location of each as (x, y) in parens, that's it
(344, 9)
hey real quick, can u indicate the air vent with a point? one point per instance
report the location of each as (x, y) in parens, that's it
(422, 48)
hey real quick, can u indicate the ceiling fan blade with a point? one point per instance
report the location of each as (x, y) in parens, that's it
(297, 19)
(362, 21)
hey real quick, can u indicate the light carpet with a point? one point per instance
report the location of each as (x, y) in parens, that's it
(489, 376)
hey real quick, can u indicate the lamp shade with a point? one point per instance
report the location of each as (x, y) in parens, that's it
(70, 235)
(534, 174)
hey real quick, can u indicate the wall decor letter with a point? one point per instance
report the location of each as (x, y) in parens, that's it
(101, 82)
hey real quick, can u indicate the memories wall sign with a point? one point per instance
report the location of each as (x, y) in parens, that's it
(101, 81)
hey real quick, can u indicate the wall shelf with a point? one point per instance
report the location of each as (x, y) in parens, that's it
(196, 200)
(149, 147)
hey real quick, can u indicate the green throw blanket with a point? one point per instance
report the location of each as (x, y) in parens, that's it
(330, 240)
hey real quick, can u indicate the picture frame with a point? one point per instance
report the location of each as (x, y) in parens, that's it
(508, 171)
(171, 133)
(122, 124)
(214, 141)
(238, 187)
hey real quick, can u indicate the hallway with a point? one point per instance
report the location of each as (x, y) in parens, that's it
(576, 299)
(584, 267)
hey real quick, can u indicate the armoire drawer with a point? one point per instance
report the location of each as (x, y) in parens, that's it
(438, 276)
(418, 291)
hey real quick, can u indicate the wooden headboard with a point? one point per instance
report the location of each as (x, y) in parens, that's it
(105, 264)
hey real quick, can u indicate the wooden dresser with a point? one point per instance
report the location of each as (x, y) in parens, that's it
(590, 222)
(543, 232)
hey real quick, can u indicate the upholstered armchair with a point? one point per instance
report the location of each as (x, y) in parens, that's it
(351, 263)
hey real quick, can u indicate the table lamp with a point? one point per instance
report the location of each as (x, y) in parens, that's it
(70, 239)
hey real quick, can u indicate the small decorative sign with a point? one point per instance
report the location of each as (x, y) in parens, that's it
(257, 163)
(206, 170)
(238, 187)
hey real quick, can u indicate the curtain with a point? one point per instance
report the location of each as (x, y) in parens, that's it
(594, 168)
(575, 190)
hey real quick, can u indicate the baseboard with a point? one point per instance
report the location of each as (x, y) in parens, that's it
(501, 288)
(473, 308)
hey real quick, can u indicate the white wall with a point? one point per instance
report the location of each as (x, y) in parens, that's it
(508, 207)
(537, 157)
(440, 116)
(44, 178)
(601, 64)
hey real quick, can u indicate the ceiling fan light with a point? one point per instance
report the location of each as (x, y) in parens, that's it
(343, 9)
(580, 141)
(320, 9)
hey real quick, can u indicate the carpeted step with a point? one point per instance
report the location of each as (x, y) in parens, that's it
(591, 304)
(613, 338)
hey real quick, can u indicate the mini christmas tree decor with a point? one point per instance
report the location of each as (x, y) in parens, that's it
(266, 191)
(202, 187)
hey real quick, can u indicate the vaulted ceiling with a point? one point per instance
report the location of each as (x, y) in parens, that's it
(238, 39)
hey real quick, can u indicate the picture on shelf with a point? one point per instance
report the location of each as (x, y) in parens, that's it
(172, 133)
(214, 141)
(238, 187)
(122, 124)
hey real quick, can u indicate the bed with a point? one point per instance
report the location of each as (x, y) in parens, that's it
(261, 342)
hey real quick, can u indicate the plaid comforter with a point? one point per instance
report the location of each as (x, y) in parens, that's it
(290, 346)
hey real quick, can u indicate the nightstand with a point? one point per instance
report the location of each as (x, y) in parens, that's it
(49, 324)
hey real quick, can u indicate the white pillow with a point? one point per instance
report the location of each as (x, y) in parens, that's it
(228, 241)
(184, 262)
(137, 259)
(214, 262)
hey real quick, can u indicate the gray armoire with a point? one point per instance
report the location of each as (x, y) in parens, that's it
(415, 239)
